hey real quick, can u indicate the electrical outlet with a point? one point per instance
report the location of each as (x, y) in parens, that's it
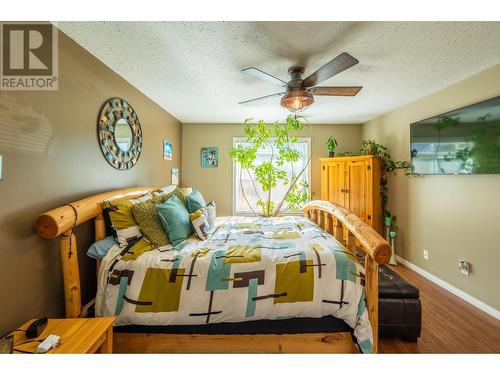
(464, 267)
(426, 254)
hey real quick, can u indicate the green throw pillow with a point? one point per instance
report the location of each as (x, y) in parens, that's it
(195, 201)
(163, 197)
(175, 219)
(149, 222)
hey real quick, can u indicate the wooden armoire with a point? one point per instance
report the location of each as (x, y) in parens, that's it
(354, 183)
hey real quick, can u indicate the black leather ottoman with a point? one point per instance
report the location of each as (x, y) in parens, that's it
(400, 313)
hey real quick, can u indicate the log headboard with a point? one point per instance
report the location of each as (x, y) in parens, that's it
(61, 222)
(55, 222)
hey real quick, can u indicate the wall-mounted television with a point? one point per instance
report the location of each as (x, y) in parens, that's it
(463, 141)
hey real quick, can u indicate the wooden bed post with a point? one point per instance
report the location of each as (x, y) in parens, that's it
(339, 231)
(71, 274)
(328, 223)
(321, 220)
(100, 233)
(351, 243)
(100, 227)
(313, 215)
(371, 290)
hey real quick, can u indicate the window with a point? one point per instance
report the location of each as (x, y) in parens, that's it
(240, 206)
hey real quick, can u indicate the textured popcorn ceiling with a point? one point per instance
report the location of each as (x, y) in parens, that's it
(192, 69)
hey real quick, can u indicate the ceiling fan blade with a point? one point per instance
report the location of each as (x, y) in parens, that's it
(335, 90)
(262, 97)
(339, 64)
(265, 76)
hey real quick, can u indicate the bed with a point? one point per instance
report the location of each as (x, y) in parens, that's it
(290, 284)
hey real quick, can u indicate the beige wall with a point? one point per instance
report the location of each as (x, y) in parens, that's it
(451, 216)
(51, 156)
(216, 183)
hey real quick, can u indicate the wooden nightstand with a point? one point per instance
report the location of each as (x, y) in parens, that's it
(78, 336)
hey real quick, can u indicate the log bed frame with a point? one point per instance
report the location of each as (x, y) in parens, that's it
(343, 224)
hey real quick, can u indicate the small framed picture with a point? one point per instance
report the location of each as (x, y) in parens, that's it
(209, 157)
(167, 150)
(175, 176)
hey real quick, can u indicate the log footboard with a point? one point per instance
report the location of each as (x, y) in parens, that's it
(350, 230)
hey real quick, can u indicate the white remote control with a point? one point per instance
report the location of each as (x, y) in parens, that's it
(50, 342)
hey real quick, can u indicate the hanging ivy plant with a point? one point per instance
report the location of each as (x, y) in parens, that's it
(370, 147)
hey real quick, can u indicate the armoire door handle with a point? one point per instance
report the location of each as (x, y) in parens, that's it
(346, 190)
(342, 190)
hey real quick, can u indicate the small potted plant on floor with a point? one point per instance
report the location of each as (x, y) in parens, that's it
(331, 144)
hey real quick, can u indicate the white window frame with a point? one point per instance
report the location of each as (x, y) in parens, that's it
(237, 140)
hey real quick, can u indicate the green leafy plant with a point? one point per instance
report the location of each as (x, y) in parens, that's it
(371, 147)
(331, 144)
(279, 138)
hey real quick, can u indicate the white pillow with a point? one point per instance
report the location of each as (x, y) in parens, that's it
(165, 190)
(187, 190)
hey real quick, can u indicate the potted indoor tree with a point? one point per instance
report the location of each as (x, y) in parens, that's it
(265, 173)
(331, 144)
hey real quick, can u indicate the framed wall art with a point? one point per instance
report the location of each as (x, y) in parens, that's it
(209, 157)
(167, 150)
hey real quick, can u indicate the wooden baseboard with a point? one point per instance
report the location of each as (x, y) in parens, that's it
(286, 343)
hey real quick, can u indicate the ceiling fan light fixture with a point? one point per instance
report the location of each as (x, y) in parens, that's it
(299, 94)
(297, 100)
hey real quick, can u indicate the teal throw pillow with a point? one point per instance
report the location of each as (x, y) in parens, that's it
(195, 201)
(175, 219)
(99, 249)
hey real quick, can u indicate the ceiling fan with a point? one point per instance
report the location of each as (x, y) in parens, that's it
(299, 92)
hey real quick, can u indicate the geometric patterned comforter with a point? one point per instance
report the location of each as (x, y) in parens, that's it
(250, 269)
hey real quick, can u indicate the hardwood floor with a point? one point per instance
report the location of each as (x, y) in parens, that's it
(449, 324)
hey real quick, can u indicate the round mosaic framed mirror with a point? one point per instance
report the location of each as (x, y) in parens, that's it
(119, 132)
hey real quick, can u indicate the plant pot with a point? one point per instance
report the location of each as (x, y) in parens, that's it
(331, 154)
